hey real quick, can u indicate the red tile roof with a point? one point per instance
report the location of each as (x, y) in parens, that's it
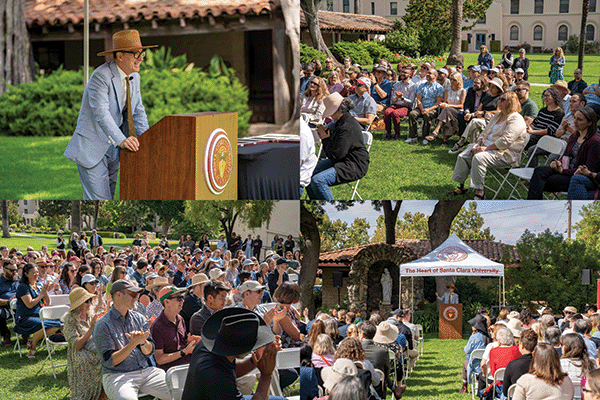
(335, 21)
(62, 12)
(422, 247)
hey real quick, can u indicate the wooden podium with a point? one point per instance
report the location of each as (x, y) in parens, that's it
(184, 157)
(450, 318)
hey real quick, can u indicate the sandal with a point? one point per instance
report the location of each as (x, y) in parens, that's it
(479, 197)
(459, 191)
(31, 354)
(432, 137)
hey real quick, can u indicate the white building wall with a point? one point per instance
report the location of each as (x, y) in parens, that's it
(28, 210)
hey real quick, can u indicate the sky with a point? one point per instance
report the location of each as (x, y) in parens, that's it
(507, 220)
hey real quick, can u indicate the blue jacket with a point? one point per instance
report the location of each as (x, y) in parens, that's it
(101, 115)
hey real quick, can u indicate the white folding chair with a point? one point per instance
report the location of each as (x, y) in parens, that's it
(421, 337)
(13, 311)
(498, 376)
(176, 380)
(393, 365)
(46, 313)
(368, 141)
(577, 390)
(511, 391)
(499, 174)
(550, 144)
(475, 355)
(59, 300)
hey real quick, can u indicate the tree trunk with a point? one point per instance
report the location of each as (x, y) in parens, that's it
(96, 212)
(390, 216)
(14, 45)
(455, 55)
(166, 225)
(439, 229)
(5, 221)
(584, 14)
(291, 15)
(310, 262)
(311, 8)
(76, 215)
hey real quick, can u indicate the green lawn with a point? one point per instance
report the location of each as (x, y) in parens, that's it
(21, 241)
(437, 374)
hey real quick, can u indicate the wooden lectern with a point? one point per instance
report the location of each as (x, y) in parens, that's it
(450, 321)
(184, 157)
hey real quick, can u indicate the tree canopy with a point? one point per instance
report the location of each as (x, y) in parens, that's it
(588, 228)
(433, 21)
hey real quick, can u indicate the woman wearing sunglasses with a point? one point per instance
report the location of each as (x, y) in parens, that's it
(173, 345)
(84, 369)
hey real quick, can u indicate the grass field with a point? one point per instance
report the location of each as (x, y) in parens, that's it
(21, 241)
(436, 375)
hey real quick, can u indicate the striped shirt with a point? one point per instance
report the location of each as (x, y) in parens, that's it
(549, 120)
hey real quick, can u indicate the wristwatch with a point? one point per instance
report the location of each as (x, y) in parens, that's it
(182, 353)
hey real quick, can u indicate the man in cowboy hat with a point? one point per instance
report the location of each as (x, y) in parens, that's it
(227, 336)
(448, 297)
(111, 117)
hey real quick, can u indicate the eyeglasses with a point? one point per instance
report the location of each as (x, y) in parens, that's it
(520, 89)
(546, 95)
(314, 83)
(42, 267)
(178, 298)
(136, 54)
(133, 295)
(10, 269)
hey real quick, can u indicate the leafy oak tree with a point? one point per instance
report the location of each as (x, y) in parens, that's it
(588, 228)
(550, 271)
(468, 224)
(337, 234)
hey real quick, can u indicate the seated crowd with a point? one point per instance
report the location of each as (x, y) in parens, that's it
(341, 344)
(540, 358)
(136, 312)
(490, 108)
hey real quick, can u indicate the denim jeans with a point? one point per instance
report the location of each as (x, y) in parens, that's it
(323, 177)
(581, 188)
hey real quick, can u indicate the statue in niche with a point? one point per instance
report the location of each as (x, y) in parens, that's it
(386, 284)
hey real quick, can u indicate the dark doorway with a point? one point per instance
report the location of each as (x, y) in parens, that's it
(259, 49)
(375, 290)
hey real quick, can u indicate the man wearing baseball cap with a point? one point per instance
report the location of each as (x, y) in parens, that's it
(365, 107)
(111, 117)
(228, 336)
(122, 338)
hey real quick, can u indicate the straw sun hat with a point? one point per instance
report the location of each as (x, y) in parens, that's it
(128, 40)
(78, 296)
(386, 333)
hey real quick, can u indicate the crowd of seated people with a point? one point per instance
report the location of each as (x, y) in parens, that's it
(444, 102)
(127, 325)
(542, 361)
(366, 344)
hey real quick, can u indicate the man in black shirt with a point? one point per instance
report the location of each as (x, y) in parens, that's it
(227, 335)
(520, 366)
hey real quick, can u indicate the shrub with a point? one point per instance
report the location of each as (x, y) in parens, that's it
(377, 50)
(308, 53)
(402, 40)
(50, 106)
(354, 50)
(525, 46)
(572, 45)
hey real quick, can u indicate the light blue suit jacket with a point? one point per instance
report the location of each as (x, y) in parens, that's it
(101, 115)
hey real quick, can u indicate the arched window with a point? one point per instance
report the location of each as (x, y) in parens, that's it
(514, 32)
(538, 32)
(590, 33)
(563, 32)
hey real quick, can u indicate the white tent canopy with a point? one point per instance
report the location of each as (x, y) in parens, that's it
(454, 258)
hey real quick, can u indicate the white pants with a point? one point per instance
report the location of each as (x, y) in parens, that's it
(473, 129)
(477, 165)
(128, 385)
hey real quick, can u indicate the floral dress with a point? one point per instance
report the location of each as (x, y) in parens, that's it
(84, 368)
(286, 340)
(556, 70)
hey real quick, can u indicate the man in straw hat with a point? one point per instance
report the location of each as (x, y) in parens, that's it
(448, 297)
(122, 338)
(192, 302)
(227, 336)
(111, 117)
